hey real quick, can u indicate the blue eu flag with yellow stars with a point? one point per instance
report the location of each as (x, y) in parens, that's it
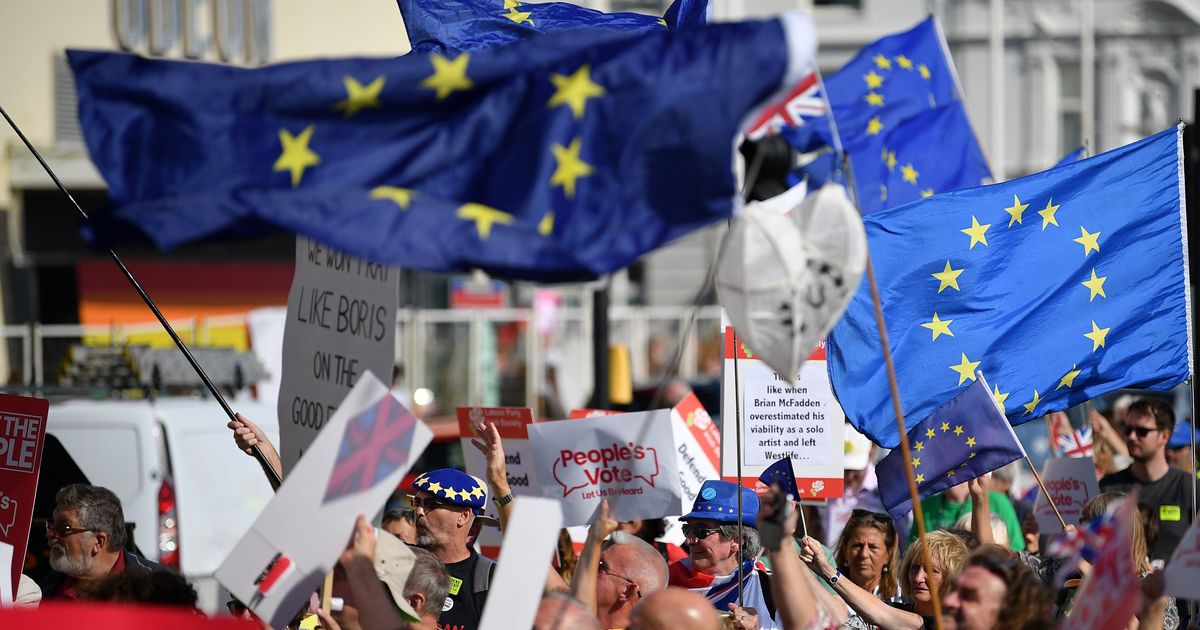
(966, 438)
(451, 26)
(898, 111)
(1059, 286)
(560, 157)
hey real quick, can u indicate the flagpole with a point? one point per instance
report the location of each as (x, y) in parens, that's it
(1045, 492)
(737, 426)
(272, 476)
(910, 476)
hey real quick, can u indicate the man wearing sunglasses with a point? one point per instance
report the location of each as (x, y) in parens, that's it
(447, 511)
(87, 538)
(1146, 430)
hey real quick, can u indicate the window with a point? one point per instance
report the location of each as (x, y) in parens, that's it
(1070, 107)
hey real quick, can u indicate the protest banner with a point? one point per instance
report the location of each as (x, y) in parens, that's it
(351, 468)
(802, 422)
(512, 423)
(1184, 568)
(516, 589)
(1113, 593)
(22, 434)
(341, 322)
(628, 459)
(1071, 482)
(56, 615)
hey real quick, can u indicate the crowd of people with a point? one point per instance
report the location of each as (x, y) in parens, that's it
(745, 562)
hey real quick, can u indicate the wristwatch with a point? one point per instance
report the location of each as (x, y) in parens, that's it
(504, 500)
(837, 574)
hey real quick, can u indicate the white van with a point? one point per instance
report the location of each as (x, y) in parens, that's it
(186, 490)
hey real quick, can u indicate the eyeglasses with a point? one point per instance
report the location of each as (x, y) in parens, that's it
(62, 531)
(699, 532)
(1140, 431)
(605, 570)
(430, 503)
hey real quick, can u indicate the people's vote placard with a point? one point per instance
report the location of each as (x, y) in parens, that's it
(1071, 482)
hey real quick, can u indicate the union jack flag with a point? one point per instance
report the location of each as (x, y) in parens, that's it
(1084, 543)
(804, 102)
(374, 444)
(1077, 443)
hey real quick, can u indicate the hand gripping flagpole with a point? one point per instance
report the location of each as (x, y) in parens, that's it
(918, 513)
(256, 450)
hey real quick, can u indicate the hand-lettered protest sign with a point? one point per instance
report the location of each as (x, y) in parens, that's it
(512, 423)
(802, 422)
(22, 433)
(628, 459)
(1071, 482)
(341, 322)
(354, 464)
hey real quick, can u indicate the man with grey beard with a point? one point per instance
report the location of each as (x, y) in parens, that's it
(87, 538)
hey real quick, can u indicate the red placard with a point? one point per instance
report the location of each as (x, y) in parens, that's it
(102, 616)
(22, 434)
(511, 422)
(744, 351)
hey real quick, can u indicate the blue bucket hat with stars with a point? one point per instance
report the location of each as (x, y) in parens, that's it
(455, 487)
(718, 501)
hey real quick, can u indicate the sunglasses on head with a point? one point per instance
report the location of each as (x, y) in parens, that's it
(1140, 431)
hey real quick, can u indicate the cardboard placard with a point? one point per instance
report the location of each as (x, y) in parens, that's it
(354, 464)
(1071, 482)
(22, 435)
(628, 459)
(341, 322)
(516, 588)
(802, 422)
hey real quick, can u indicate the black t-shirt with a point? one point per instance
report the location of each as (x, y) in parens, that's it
(1169, 499)
(461, 611)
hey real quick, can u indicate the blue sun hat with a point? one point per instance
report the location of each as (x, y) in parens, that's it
(1181, 436)
(718, 501)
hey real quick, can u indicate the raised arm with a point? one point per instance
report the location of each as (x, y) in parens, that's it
(375, 607)
(583, 583)
(981, 510)
(246, 435)
(871, 608)
(794, 599)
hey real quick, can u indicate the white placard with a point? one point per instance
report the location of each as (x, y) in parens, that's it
(341, 322)
(512, 423)
(628, 459)
(516, 588)
(1182, 574)
(1071, 482)
(309, 521)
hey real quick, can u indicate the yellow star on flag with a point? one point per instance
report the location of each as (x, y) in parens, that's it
(546, 225)
(948, 277)
(1000, 397)
(883, 62)
(977, 232)
(874, 126)
(1068, 380)
(874, 99)
(574, 90)
(1095, 286)
(958, 430)
(928, 192)
(662, 22)
(1090, 241)
(924, 70)
(939, 327)
(920, 478)
(449, 75)
(904, 62)
(400, 196)
(950, 474)
(569, 166)
(874, 80)
(518, 17)
(972, 455)
(891, 161)
(1016, 211)
(971, 442)
(966, 370)
(929, 433)
(909, 174)
(359, 97)
(295, 155)
(945, 427)
(1031, 405)
(1097, 336)
(511, 4)
(916, 461)
(484, 217)
(1047, 214)
(920, 446)
(883, 192)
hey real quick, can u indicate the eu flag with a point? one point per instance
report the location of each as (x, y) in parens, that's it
(782, 474)
(897, 104)
(453, 26)
(559, 157)
(1059, 286)
(964, 439)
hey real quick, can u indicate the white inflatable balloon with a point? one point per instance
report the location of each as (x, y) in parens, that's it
(787, 271)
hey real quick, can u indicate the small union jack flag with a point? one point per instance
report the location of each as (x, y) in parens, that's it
(803, 103)
(1077, 443)
(1084, 543)
(374, 444)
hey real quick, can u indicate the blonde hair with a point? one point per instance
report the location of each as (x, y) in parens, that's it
(999, 529)
(1101, 503)
(948, 553)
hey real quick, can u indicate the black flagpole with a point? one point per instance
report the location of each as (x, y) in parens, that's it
(257, 452)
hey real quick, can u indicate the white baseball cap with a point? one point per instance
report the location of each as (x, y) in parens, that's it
(858, 449)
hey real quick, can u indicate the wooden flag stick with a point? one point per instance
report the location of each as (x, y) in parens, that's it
(327, 594)
(1043, 487)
